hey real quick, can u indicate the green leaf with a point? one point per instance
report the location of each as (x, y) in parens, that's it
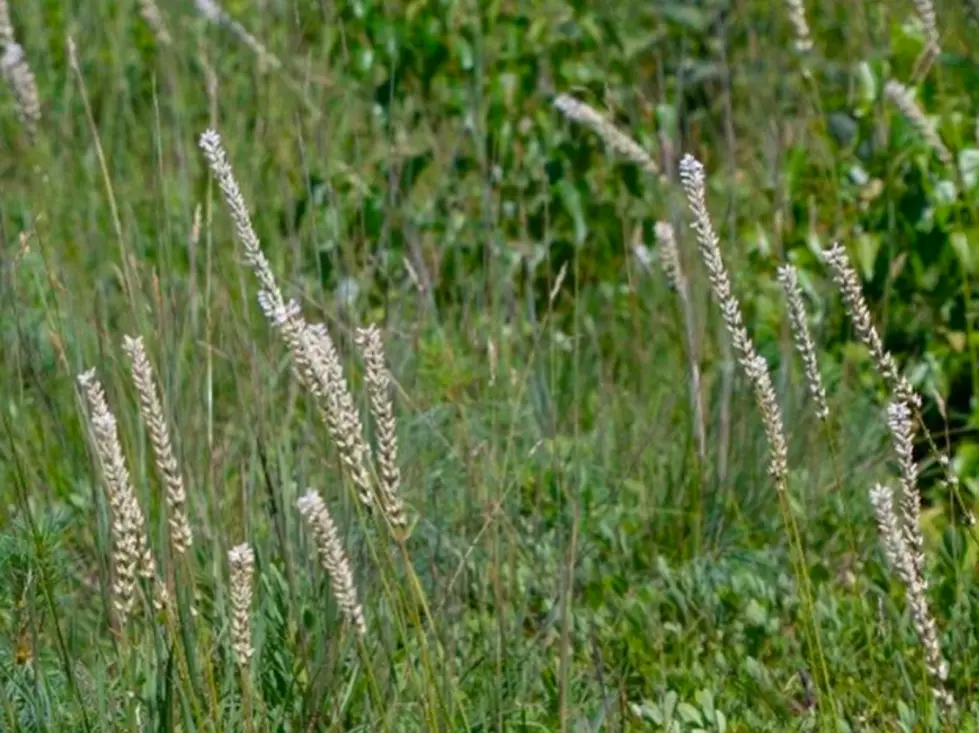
(868, 246)
(705, 698)
(720, 721)
(689, 17)
(571, 199)
(969, 166)
(755, 614)
(689, 714)
(868, 83)
(647, 711)
(963, 250)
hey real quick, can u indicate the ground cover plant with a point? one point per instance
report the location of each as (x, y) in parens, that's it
(452, 366)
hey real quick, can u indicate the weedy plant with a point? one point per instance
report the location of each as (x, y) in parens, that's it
(901, 535)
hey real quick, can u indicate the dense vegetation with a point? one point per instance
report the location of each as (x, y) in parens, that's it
(579, 555)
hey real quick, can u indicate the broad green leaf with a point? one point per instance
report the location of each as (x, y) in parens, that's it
(963, 250)
(689, 714)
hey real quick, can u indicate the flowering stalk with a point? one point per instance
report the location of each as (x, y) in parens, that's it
(379, 388)
(797, 16)
(214, 13)
(903, 99)
(848, 282)
(929, 23)
(788, 277)
(754, 365)
(154, 19)
(905, 564)
(15, 69)
(152, 411)
(334, 558)
(756, 369)
(315, 359)
(901, 425)
(584, 114)
(241, 559)
(130, 551)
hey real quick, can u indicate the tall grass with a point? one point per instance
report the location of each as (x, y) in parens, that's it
(325, 489)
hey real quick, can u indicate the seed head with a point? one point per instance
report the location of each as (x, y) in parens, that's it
(334, 558)
(241, 560)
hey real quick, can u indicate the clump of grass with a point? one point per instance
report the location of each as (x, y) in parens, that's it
(317, 362)
(497, 612)
(756, 369)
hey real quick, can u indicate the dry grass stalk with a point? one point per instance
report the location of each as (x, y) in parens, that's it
(882, 500)
(642, 253)
(6, 25)
(788, 277)
(902, 561)
(195, 228)
(901, 425)
(848, 282)
(17, 72)
(341, 414)
(754, 365)
(130, 550)
(241, 560)
(154, 19)
(166, 463)
(217, 15)
(904, 100)
(315, 360)
(334, 558)
(929, 23)
(161, 601)
(904, 545)
(582, 113)
(210, 143)
(669, 256)
(797, 16)
(379, 388)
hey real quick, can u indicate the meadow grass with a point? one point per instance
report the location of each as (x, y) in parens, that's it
(290, 445)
